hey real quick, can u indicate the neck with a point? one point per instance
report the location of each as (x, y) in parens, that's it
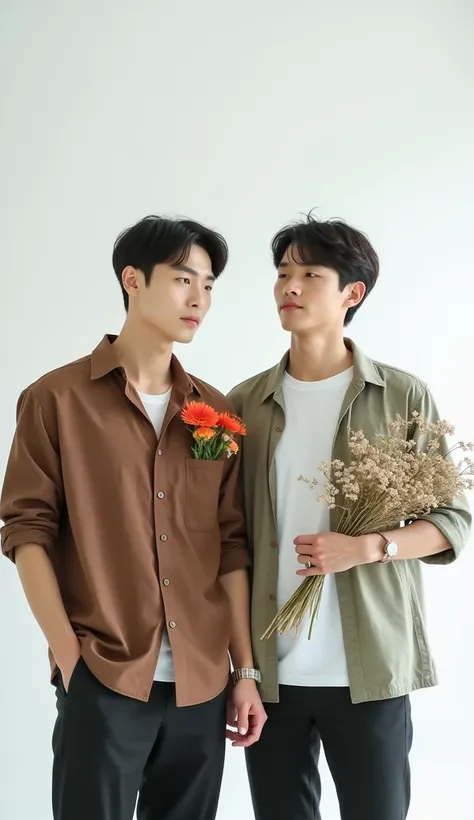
(317, 357)
(146, 358)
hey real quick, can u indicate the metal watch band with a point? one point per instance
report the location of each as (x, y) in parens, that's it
(246, 674)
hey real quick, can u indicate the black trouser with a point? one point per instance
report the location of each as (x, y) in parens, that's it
(108, 747)
(366, 747)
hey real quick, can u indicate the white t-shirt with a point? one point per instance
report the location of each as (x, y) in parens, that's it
(156, 407)
(312, 412)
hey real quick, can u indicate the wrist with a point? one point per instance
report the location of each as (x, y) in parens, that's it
(68, 652)
(371, 548)
(242, 659)
(246, 664)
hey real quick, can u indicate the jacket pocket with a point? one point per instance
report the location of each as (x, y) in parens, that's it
(203, 483)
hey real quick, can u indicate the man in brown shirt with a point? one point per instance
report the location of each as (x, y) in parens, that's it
(132, 553)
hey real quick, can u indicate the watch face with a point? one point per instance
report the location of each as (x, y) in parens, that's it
(391, 549)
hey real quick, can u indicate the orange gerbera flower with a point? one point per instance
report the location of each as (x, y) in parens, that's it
(204, 433)
(198, 414)
(232, 423)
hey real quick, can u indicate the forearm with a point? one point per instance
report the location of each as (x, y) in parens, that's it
(44, 598)
(418, 540)
(236, 586)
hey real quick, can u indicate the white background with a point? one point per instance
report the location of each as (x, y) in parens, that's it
(241, 115)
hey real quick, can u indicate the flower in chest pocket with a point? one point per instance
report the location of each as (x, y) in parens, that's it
(213, 433)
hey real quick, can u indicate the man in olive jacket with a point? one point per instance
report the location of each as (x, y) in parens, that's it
(348, 687)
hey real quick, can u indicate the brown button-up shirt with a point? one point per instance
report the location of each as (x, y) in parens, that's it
(138, 531)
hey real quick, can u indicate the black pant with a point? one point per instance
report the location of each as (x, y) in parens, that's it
(108, 747)
(366, 747)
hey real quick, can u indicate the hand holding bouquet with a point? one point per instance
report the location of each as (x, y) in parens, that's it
(386, 483)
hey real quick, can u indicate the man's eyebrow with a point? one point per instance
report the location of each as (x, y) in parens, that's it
(191, 271)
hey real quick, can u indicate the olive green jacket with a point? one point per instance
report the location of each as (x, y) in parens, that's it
(381, 605)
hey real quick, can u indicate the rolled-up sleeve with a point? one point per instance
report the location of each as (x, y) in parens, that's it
(454, 519)
(234, 552)
(32, 493)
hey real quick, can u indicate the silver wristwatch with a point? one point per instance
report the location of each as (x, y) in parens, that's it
(246, 674)
(390, 549)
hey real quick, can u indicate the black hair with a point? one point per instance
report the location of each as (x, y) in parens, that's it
(155, 240)
(332, 244)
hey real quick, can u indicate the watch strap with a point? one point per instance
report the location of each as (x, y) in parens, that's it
(246, 674)
(386, 557)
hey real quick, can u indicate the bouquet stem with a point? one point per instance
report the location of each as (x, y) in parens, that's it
(291, 615)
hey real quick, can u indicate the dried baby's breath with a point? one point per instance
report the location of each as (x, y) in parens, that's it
(388, 481)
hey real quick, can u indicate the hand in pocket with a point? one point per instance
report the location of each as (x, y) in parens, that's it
(68, 665)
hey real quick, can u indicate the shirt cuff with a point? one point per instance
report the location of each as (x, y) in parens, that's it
(10, 541)
(234, 559)
(450, 532)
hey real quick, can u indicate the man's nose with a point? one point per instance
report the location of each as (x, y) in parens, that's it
(196, 297)
(292, 288)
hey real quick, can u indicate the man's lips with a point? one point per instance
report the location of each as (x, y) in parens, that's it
(190, 320)
(290, 306)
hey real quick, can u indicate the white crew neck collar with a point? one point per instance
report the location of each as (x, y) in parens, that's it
(333, 382)
(154, 398)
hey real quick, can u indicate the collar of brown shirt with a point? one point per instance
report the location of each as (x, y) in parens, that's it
(137, 530)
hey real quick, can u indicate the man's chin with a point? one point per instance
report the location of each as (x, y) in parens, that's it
(185, 336)
(290, 322)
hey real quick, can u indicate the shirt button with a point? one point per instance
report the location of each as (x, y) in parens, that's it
(172, 624)
(279, 429)
(272, 597)
(163, 537)
(160, 495)
(274, 544)
(166, 582)
(160, 452)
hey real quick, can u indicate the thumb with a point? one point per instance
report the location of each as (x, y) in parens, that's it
(231, 714)
(243, 719)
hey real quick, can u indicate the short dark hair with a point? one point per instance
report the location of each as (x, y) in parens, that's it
(155, 240)
(332, 244)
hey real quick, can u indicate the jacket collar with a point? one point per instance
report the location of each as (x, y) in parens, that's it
(365, 370)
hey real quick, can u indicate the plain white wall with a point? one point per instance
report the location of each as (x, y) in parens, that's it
(241, 115)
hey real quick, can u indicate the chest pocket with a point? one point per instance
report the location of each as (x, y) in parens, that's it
(203, 483)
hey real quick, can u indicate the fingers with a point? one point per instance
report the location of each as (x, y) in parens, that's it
(304, 540)
(311, 544)
(307, 573)
(305, 551)
(304, 558)
(318, 565)
(243, 719)
(238, 720)
(311, 549)
(231, 714)
(256, 724)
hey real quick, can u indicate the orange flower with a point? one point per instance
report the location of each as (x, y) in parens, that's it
(204, 433)
(232, 423)
(198, 414)
(232, 447)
